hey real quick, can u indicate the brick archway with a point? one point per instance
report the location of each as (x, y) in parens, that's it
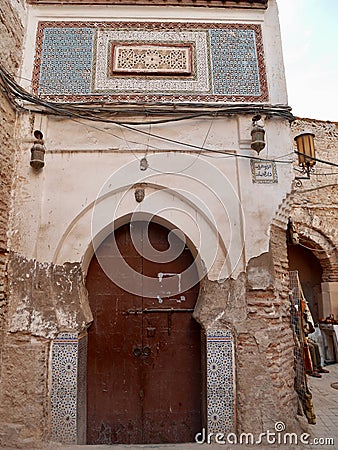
(322, 248)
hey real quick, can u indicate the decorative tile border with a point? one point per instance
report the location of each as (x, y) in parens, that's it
(68, 389)
(220, 381)
(264, 172)
(73, 62)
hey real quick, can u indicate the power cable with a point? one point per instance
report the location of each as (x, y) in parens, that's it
(13, 91)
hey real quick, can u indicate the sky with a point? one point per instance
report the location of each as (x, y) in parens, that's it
(310, 46)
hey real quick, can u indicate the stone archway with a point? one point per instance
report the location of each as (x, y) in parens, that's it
(324, 250)
(69, 368)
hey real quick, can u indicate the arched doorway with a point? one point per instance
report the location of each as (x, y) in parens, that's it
(144, 353)
(310, 275)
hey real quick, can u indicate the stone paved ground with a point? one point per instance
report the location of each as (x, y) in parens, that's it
(326, 408)
(326, 405)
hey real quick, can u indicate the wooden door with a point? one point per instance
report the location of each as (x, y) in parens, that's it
(144, 353)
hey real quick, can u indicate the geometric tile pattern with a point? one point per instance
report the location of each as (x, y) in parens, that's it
(74, 62)
(82, 390)
(66, 67)
(220, 381)
(234, 62)
(64, 400)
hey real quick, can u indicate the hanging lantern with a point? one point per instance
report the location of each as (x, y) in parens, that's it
(38, 151)
(144, 163)
(306, 151)
(257, 135)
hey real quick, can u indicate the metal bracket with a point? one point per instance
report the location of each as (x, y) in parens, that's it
(158, 310)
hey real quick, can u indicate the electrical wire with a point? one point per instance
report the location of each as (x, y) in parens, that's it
(13, 90)
(102, 110)
(317, 173)
(316, 159)
(17, 96)
(198, 154)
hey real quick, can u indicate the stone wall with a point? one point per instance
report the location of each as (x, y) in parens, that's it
(255, 308)
(314, 208)
(32, 321)
(21, 349)
(11, 32)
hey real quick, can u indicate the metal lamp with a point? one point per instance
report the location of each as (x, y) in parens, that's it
(306, 151)
(257, 135)
(38, 151)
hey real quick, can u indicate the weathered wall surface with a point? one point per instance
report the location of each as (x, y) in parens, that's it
(52, 230)
(255, 307)
(45, 300)
(19, 349)
(11, 32)
(24, 391)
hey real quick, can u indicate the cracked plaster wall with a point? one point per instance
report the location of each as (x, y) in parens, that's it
(44, 300)
(11, 31)
(255, 307)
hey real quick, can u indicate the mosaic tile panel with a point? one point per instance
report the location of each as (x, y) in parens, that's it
(68, 391)
(220, 381)
(66, 61)
(67, 403)
(74, 62)
(234, 62)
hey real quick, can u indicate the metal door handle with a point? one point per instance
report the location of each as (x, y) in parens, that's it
(137, 352)
(146, 351)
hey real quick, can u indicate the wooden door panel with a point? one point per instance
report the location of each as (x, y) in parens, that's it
(115, 373)
(144, 370)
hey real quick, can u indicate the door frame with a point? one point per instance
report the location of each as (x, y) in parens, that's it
(68, 419)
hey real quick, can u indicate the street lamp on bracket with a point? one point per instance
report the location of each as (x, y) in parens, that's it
(306, 155)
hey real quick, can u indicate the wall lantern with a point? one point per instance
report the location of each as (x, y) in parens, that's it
(144, 163)
(306, 152)
(38, 151)
(257, 135)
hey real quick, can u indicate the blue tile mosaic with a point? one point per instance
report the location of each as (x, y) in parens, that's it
(66, 61)
(68, 389)
(220, 381)
(234, 62)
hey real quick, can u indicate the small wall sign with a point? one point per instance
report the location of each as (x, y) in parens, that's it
(263, 171)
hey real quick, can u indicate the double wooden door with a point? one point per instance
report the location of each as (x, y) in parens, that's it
(144, 353)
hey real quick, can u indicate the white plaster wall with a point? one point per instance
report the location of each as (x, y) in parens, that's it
(211, 197)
